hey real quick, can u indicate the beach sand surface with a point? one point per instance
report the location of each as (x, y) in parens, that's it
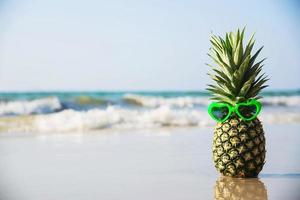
(161, 164)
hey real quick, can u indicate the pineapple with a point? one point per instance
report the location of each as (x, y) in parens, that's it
(238, 145)
(228, 188)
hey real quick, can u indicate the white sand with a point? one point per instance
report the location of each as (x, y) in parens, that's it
(169, 164)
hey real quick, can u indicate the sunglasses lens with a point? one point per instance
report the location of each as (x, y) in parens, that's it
(247, 111)
(220, 112)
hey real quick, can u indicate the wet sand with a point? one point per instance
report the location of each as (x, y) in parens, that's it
(158, 164)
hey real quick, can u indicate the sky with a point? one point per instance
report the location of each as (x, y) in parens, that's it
(137, 44)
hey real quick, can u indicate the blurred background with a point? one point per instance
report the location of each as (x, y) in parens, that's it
(132, 58)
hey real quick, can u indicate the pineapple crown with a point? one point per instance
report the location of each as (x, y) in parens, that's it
(237, 76)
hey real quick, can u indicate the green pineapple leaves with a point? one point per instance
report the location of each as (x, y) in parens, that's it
(237, 75)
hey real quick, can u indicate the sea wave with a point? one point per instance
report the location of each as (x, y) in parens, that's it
(43, 105)
(188, 101)
(281, 101)
(117, 118)
(114, 118)
(53, 104)
(152, 101)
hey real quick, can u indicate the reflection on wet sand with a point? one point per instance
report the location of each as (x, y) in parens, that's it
(227, 188)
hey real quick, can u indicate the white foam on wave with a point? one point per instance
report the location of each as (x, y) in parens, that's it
(189, 101)
(281, 118)
(282, 100)
(117, 118)
(42, 105)
(114, 118)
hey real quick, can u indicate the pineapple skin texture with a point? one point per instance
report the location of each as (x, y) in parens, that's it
(239, 148)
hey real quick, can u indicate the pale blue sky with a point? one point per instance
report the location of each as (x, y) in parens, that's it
(135, 44)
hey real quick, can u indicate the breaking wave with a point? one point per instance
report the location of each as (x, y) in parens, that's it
(281, 101)
(188, 101)
(43, 105)
(152, 102)
(126, 111)
(113, 118)
(53, 104)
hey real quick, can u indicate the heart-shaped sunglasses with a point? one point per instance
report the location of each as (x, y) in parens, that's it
(245, 110)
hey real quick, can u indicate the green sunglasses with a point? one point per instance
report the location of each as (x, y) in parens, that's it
(245, 110)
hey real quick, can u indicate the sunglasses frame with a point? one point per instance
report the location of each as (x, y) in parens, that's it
(235, 109)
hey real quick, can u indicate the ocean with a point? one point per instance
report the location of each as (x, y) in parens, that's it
(94, 111)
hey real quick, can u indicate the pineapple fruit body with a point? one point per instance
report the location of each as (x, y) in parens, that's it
(239, 147)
